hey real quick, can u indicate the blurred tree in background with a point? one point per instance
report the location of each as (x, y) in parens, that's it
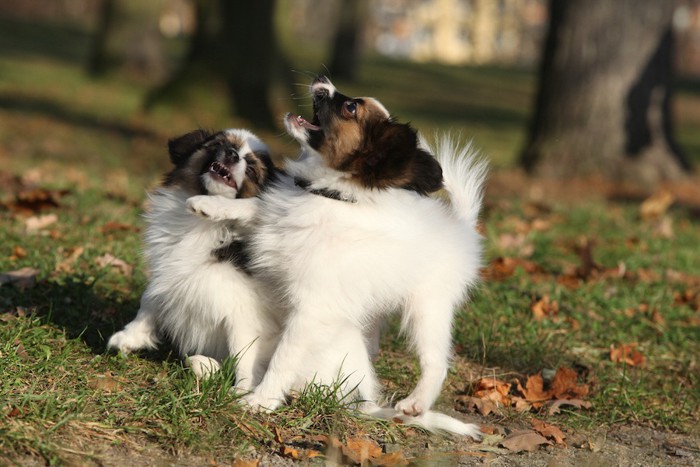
(345, 54)
(234, 40)
(605, 87)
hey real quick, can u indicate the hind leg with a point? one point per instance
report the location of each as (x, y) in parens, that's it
(429, 326)
(310, 349)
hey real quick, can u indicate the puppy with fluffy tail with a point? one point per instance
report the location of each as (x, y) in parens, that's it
(350, 234)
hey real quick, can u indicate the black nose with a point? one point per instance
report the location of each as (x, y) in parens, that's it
(321, 79)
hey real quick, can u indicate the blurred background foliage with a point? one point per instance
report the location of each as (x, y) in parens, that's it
(101, 84)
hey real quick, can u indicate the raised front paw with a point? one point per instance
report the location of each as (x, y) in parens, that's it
(411, 406)
(201, 205)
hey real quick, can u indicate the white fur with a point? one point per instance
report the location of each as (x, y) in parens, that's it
(208, 309)
(338, 267)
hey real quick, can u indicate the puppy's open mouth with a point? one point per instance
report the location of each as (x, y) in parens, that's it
(301, 122)
(220, 172)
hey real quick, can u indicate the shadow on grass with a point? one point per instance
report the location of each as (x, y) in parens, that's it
(82, 313)
(52, 109)
(59, 41)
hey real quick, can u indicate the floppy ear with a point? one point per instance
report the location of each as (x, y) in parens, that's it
(393, 159)
(182, 147)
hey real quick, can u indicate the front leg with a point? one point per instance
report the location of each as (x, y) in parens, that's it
(219, 208)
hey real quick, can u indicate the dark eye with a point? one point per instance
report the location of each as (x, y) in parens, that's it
(350, 108)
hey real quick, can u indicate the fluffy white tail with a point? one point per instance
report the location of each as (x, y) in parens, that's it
(431, 421)
(464, 173)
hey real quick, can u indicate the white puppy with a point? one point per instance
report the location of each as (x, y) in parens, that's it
(349, 235)
(200, 293)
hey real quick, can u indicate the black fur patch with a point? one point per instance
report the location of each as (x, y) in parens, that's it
(235, 253)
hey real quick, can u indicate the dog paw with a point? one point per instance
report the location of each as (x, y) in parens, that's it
(257, 403)
(199, 205)
(127, 342)
(203, 367)
(411, 407)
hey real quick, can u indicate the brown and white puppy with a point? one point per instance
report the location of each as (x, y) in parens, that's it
(200, 294)
(348, 235)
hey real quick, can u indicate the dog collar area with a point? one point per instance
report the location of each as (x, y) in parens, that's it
(325, 192)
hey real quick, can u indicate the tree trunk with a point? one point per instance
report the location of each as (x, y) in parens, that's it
(605, 86)
(346, 45)
(197, 60)
(99, 56)
(248, 57)
(234, 42)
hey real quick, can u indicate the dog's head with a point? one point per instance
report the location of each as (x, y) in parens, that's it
(232, 163)
(358, 136)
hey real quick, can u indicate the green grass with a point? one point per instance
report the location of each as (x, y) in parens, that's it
(64, 397)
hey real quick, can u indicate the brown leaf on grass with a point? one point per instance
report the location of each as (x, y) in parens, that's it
(24, 278)
(21, 351)
(36, 223)
(526, 440)
(504, 267)
(656, 205)
(30, 201)
(544, 308)
(549, 431)
(521, 405)
(391, 459)
(534, 391)
(577, 403)
(493, 389)
(106, 382)
(109, 260)
(565, 385)
(487, 395)
(66, 265)
(627, 354)
(289, 451)
(18, 253)
(516, 243)
(474, 404)
(361, 450)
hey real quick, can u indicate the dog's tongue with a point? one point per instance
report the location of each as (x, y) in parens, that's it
(306, 124)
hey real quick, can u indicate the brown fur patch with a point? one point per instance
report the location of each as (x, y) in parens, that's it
(373, 149)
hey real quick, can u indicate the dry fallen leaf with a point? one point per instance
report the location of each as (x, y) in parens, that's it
(390, 459)
(504, 267)
(526, 440)
(361, 450)
(656, 205)
(549, 431)
(544, 308)
(66, 265)
(627, 354)
(109, 260)
(35, 223)
(106, 382)
(565, 385)
(578, 403)
(24, 278)
(288, 451)
(534, 391)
